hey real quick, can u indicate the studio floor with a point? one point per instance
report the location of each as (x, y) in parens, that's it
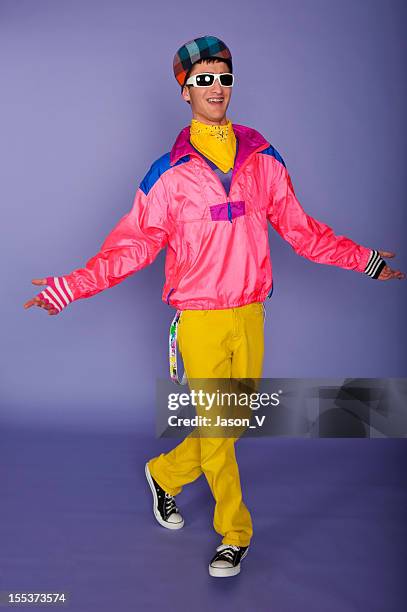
(328, 516)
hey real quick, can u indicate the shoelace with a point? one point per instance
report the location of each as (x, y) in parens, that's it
(169, 504)
(227, 551)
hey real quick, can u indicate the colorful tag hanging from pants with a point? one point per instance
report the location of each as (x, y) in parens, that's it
(172, 342)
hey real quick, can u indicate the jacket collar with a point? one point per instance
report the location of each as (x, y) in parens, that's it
(249, 141)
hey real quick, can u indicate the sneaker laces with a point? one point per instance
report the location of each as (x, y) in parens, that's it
(227, 551)
(169, 504)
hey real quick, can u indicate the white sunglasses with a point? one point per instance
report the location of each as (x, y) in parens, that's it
(206, 79)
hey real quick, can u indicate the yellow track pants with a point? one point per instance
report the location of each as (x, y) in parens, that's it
(224, 343)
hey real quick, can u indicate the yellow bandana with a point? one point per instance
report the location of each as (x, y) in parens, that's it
(216, 142)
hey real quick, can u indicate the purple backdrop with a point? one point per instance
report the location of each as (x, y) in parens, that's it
(88, 100)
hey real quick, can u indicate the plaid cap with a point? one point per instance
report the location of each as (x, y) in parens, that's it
(196, 49)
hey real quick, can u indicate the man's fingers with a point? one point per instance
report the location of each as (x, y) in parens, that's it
(397, 274)
(388, 254)
(37, 301)
(52, 309)
(387, 274)
(39, 281)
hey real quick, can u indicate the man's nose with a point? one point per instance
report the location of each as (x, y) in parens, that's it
(217, 87)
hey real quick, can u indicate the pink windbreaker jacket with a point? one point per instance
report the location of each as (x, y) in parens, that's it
(217, 243)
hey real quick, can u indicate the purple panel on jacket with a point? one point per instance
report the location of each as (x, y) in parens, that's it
(219, 212)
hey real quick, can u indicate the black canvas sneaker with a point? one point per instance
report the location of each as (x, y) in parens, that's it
(226, 561)
(164, 506)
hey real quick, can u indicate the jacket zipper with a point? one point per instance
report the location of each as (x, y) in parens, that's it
(229, 212)
(264, 146)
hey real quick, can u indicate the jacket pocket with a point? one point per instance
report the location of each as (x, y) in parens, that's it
(169, 293)
(182, 266)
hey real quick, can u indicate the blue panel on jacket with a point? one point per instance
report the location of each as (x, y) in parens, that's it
(161, 165)
(272, 151)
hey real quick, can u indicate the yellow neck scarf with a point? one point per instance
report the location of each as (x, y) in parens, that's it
(216, 142)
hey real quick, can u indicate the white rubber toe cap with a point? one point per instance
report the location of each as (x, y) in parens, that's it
(221, 564)
(175, 518)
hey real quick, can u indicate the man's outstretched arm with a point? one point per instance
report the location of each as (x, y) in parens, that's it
(132, 244)
(314, 239)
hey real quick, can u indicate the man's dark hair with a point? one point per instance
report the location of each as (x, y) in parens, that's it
(210, 60)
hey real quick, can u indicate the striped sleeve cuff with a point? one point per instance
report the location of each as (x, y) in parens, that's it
(57, 293)
(374, 265)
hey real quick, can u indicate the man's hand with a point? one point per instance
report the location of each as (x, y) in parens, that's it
(387, 273)
(54, 297)
(40, 301)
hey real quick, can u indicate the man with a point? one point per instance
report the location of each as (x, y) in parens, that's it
(208, 201)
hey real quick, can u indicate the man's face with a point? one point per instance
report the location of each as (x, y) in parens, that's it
(202, 109)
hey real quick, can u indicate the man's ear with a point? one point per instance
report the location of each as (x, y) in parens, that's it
(185, 94)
